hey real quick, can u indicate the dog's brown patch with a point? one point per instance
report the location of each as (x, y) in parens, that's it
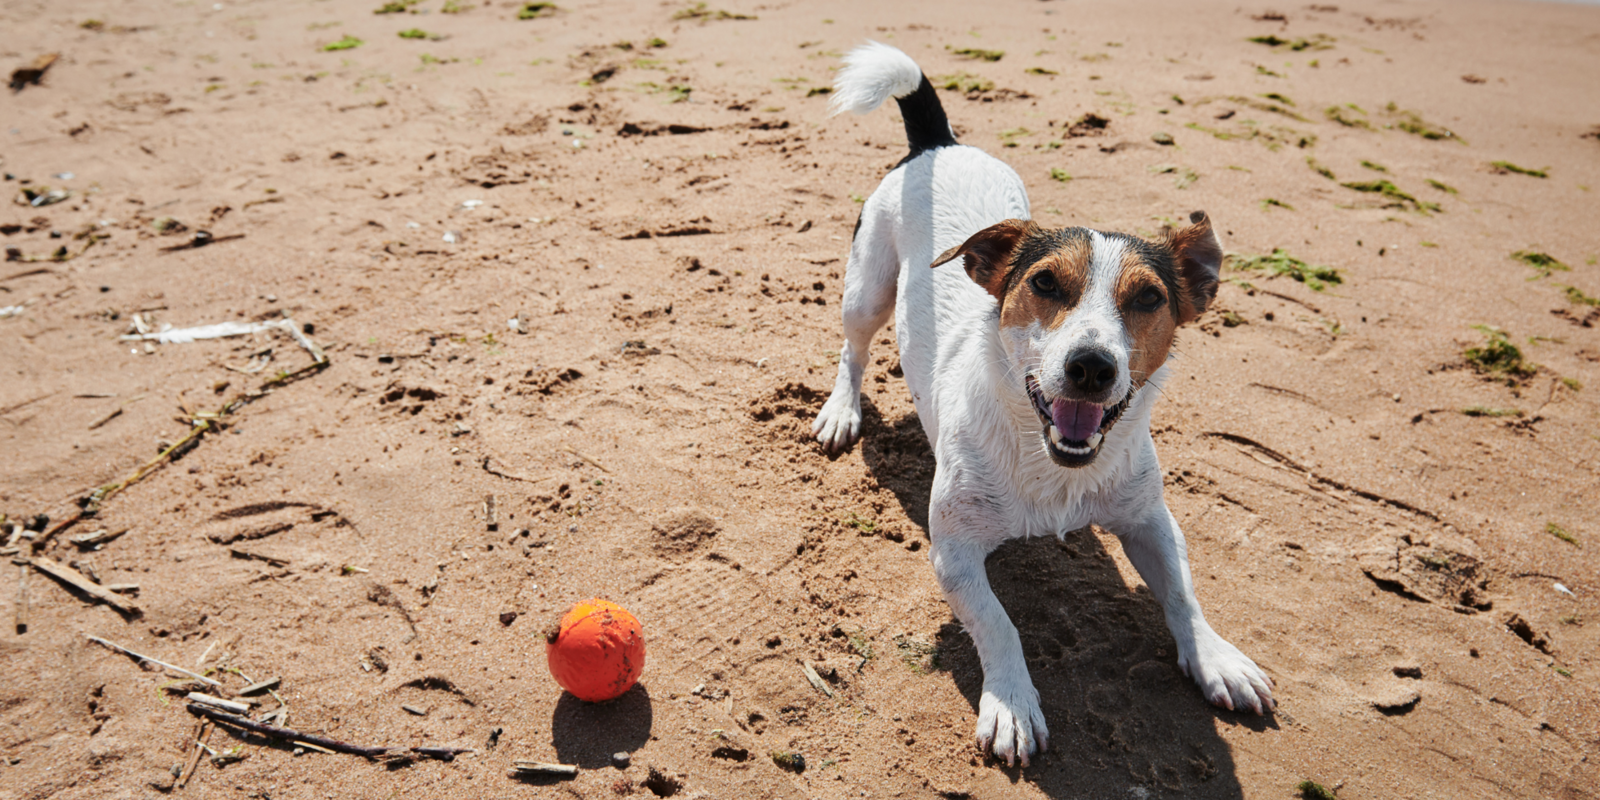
(1152, 330)
(1023, 305)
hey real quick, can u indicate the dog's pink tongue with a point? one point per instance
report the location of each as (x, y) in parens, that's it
(1076, 421)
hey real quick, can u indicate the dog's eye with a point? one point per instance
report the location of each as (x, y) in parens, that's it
(1150, 299)
(1044, 283)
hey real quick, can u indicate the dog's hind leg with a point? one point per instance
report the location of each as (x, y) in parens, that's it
(869, 294)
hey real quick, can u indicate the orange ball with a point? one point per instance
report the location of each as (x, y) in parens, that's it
(596, 651)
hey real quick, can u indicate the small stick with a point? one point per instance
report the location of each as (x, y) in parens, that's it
(321, 742)
(490, 467)
(589, 459)
(76, 580)
(225, 705)
(199, 745)
(92, 539)
(122, 588)
(249, 556)
(107, 418)
(421, 712)
(491, 515)
(119, 648)
(270, 683)
(22, 599)
(542, 768)
(816, 680)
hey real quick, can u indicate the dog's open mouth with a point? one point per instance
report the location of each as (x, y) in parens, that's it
(1074, 429)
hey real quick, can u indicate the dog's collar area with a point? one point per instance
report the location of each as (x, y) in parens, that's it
(1073, 452)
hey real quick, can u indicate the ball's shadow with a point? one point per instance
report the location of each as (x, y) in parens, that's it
(587, 734)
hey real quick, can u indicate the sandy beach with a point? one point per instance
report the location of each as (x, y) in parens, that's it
(563, 290)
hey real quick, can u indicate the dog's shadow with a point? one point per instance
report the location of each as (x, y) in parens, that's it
(1124, 721)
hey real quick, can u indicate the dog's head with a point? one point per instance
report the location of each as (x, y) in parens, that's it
(1087, 317)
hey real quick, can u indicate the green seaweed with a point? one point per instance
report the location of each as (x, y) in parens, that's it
(920, 656)
(1041, 71)
(347, 43)
(1318, 41)
(1311, 790)
(1338, 114)
(700, 12)
(980, 54)
(963, 82)
(536, 10)
(418, 33)
(1504, 167)
(1577, 297)
(1543, 262)
(1486, 411)
(396, 7)
(1443, 187)
(1498, 357)
(1413, 123)
(454, 7)
(1395, 193)
(1273, 201)
(1319, 169)
(1562, 534)
(860, 523)
(1314, 276)
(1059, 174)
(1374, 166)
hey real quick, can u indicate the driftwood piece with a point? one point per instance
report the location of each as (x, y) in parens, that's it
(77, 580)
(164, 665)
(217, 702)
(94, 538)
(524, 768)
(323, 742)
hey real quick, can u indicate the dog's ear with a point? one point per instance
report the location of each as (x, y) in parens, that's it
(1198, 254)
(987, 254)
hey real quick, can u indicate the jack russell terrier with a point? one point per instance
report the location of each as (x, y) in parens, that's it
(1033, 374)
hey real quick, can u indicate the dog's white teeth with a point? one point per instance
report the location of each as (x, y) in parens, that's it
(1094, 440)
(1055, 436)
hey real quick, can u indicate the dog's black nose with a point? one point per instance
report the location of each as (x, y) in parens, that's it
(1090, 371)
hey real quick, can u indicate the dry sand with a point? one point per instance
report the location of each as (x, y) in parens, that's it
(1387, 558)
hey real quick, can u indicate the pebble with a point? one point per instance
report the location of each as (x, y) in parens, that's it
(621, 760)
(1162, 138)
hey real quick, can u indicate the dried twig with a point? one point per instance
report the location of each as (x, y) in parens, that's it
(587, 458)
(249, 556)
(77, 580)
(323, 742)
(94, 539)
(816, 680)
(164, 665)
(21, 608)
(528, 768)
(225, 705)
(199, 747)
(490, 467)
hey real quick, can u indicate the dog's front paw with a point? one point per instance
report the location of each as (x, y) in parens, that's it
(1227, 677)
(1011, 723)
(838, 425)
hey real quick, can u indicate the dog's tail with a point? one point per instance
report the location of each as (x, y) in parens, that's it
(875, 72)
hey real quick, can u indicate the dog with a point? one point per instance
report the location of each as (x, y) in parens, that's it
(1033, 375)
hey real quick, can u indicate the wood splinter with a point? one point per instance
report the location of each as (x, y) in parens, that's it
(79, 581)
(530, 768)
(144, 658)
(323, 743)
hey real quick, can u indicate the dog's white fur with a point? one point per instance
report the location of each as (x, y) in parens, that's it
(994, 480)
